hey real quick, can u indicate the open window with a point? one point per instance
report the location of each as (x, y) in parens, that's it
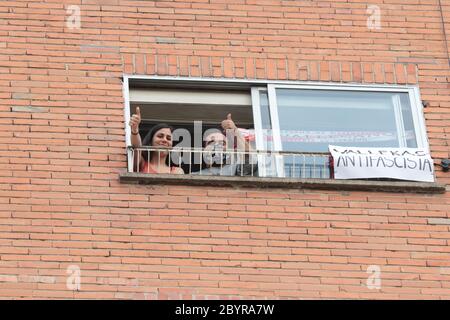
(194, 110)
(290, 125)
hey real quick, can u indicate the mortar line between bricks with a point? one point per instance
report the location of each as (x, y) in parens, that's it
(276, 69)
(287, 68)
(318, 70)
(233, 65)
(211, 71)
(373, 74)
(417, 73)
(330, 71)
(167, 63)
(189, 65)
(145, 63)
(405, 72)
(394, 71)
(351, 72)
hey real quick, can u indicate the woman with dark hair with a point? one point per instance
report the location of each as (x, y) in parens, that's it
(160, 137)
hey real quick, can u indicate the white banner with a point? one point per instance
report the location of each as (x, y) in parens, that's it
(397, 163)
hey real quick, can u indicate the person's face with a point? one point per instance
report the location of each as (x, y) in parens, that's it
(215, 138)
(162, 138)
(215, 145)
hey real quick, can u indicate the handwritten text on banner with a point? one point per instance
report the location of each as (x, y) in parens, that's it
(396, 163)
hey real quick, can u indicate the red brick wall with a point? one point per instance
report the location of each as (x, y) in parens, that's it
(62, 148)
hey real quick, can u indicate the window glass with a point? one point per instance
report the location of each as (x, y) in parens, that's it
(310, 120)
(265, 121)
(295, 125)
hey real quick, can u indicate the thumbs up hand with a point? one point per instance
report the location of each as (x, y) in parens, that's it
(135, 121)
(228, 123)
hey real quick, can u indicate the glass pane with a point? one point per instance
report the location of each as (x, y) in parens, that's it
(310, 120)
(265, 120)
(411, 141)
(267, 164)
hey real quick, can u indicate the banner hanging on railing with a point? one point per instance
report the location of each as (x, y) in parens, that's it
(397, 163)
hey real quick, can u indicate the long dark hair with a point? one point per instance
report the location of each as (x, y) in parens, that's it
(149, 138)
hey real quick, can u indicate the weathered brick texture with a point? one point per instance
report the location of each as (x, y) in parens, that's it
(62, 146)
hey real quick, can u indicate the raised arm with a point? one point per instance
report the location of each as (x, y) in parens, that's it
(242, 144)
(136, 139)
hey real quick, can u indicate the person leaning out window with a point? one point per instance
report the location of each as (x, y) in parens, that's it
(159, 137)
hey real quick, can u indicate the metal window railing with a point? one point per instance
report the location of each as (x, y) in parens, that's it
(253, 163)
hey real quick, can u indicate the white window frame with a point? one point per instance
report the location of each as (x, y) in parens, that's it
(127, 116)
(412, 91)
(270, 87)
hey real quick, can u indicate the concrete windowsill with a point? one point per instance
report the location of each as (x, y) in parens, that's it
(288, 183)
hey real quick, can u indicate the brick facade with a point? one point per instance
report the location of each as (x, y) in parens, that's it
(62, 147)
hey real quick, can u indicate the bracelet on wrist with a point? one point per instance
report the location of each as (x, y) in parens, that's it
(134, 133)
